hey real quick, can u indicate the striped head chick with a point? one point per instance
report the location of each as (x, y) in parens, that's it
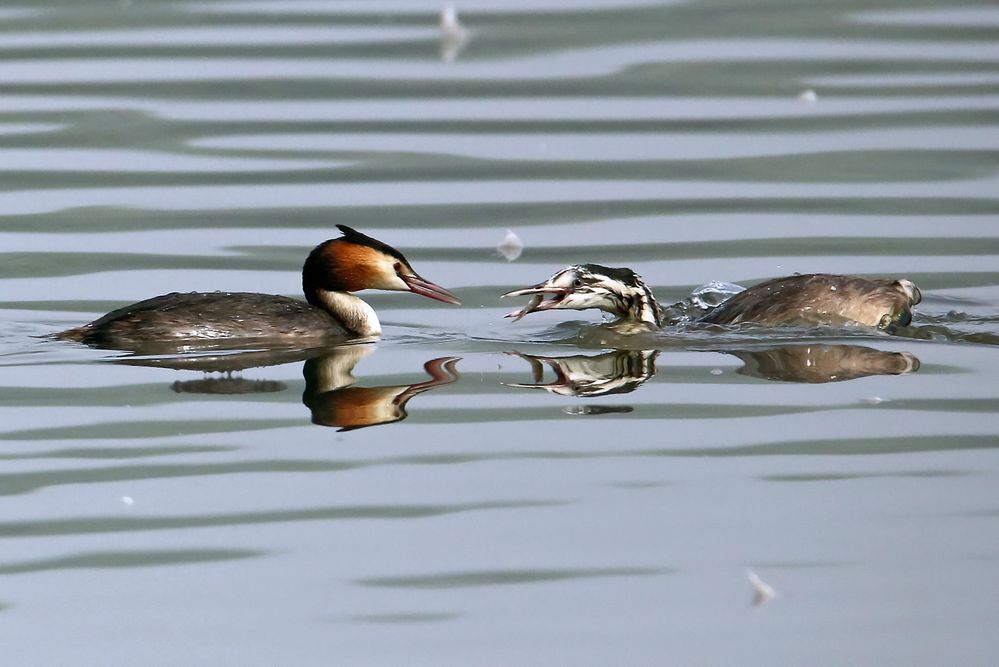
(620, 292)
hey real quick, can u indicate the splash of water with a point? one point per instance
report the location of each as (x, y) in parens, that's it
(700, 302)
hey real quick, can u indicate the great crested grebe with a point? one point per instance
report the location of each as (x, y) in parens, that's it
(333, 270)
(811, 299)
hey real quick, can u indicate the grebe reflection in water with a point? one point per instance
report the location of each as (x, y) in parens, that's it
(624, 371)
(331, 390)
(616, 372)
(334, 400)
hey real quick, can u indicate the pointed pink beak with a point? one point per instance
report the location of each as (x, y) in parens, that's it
(538, 301)
(418, 285)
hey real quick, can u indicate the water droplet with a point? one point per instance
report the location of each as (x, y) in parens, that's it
(762, 591)
(454, 36)
(511, 246)
(714, 293)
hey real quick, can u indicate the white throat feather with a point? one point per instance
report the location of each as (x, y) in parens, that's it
(353, 313)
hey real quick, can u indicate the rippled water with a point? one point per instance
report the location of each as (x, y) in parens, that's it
(545, 492)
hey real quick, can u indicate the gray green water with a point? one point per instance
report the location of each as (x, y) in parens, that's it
(150, 515)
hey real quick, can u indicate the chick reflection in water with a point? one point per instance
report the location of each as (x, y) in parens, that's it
(617, 372)
(333, 399)
(623, 371)
(823, 363)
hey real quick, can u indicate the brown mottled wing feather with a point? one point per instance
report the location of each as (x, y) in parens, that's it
(206, 316)
(817, 298)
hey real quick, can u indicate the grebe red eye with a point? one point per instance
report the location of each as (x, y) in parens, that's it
(398, 267)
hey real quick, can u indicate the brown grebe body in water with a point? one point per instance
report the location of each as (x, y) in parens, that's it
(333, 270)
(821, 298)
(811, 299)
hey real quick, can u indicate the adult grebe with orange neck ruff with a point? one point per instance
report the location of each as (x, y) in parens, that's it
(333, 270)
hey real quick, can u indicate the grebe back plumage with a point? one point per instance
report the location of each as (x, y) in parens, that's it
(821, 298)
(333, 270)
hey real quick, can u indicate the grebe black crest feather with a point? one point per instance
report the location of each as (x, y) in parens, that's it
(353, 236)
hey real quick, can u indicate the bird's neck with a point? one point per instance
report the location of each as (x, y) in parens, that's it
(335, 371)
(642, 306)
(355, 315)
(649, 312)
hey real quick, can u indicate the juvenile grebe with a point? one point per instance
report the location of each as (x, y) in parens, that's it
(620, 292)
(821, 298)
(333, 270)
(811, 299)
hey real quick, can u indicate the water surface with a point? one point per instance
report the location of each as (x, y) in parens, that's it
(489, 492)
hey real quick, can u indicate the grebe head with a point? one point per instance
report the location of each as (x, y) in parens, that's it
(910, 290)
(356, 261)
(620, 292)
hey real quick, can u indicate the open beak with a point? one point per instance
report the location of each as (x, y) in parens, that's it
(418, 285)
(538, 301)
(538, 370)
